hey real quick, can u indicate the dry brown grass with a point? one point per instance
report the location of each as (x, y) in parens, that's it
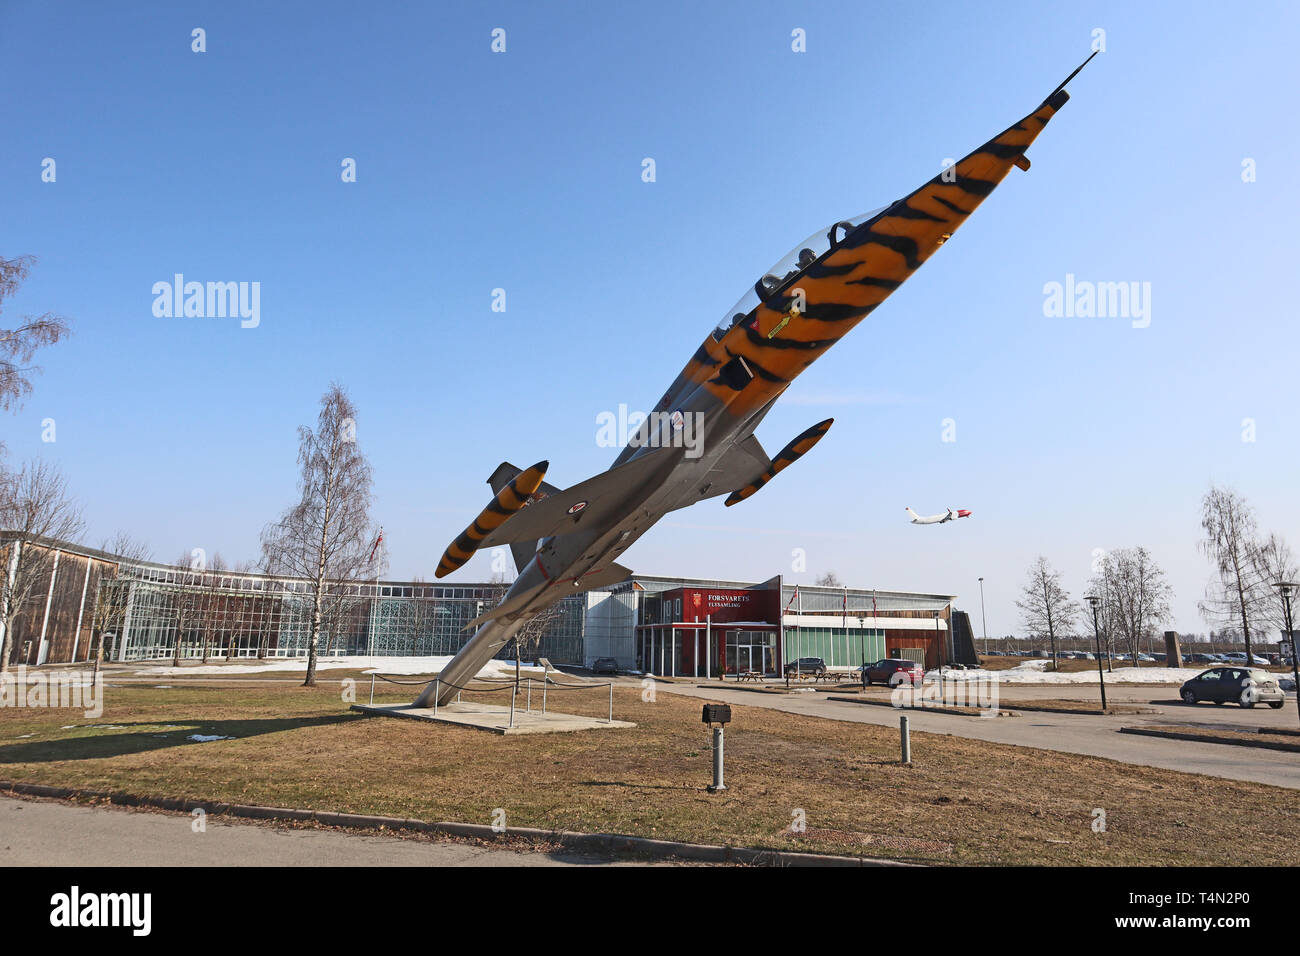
(963, 801)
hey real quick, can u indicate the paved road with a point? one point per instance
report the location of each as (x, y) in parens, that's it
(1096, 736)
(48, 833)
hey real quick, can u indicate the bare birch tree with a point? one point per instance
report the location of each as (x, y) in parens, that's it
(1272, 562)
(35, 507)
(1045, 605)
(19, 345)
(1140, 597)
(187, 601)
(325, 538)
(114, 592)
(1229, 542)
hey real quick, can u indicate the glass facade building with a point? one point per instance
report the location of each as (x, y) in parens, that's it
(220, 614)
(142, 610)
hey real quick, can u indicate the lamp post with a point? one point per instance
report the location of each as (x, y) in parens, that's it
(1101, 675)
(862, 640)
(943, 651)
(1287, 588)
(983, 620)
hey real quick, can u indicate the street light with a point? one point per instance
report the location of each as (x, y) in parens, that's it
(862, 639)
(1101, 675)
(1287, 588)
(983, 619)
(945, 652)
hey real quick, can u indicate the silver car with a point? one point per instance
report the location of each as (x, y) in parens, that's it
(1246, 686)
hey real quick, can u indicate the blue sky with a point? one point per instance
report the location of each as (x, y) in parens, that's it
(522, 171)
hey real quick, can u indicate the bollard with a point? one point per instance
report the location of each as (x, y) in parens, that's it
(513, 691)
(544, 683)
(611, 702)
(372, 690)
(717, 762)
(528, 707)
(436, 694)
(905, 736)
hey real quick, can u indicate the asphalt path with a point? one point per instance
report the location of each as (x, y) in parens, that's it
(49, 833)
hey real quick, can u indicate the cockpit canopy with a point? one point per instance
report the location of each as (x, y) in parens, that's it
(788, 266)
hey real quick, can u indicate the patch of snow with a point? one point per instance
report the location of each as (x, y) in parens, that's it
(396, 666)
(1031, 672)
(206, 738)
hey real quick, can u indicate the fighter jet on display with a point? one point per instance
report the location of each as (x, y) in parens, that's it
(699, 441)
(946, 516)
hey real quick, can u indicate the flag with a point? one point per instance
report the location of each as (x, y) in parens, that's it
(378, 541)
(793, 596)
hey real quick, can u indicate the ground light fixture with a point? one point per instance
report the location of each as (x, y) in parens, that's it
(719, 714)
(1093, 600)
(1286, 589)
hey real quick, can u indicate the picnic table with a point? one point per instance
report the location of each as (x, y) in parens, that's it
(755, 676)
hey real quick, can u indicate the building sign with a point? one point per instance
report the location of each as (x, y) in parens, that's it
(757, 605)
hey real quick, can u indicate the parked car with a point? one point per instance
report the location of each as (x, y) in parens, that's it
(893, 671)
(604, 665)
(1246, 686)
(806, 665)
(1146, 658)
(1201, 658)
(1239, 657)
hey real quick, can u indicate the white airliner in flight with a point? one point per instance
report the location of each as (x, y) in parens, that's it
(948, 515)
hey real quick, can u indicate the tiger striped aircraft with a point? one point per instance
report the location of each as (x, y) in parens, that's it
(699, 441)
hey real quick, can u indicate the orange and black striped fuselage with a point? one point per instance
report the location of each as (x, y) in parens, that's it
(792, 327)
(728, 385)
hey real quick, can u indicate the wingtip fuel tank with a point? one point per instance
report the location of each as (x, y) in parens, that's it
(799, 446)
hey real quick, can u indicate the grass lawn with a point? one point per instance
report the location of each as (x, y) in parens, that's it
(962, 801)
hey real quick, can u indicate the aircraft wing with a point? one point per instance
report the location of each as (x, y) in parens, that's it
(737, 468)
(595, 499)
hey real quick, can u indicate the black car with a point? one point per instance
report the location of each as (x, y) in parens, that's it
(1246, 686)
(813, 666)
(604, 665)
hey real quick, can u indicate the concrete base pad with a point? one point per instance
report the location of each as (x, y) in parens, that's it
(494, 718)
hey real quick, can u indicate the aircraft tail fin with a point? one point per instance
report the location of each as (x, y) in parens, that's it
(553, 511)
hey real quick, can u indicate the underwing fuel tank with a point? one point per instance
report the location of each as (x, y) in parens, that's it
(508, 500)
(799, 446)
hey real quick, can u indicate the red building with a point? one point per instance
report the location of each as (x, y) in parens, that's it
(706, 631)
(703, 629)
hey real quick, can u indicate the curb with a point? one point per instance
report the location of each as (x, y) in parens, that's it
(1084, 713)
(1201, 738)
(924, 710)
(605, 844)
